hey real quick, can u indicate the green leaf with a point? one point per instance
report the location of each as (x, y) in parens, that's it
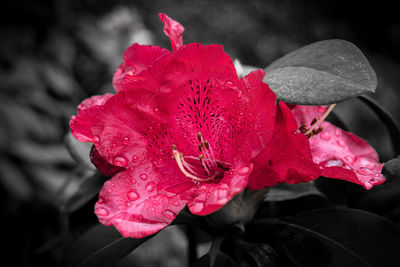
(321, 73)
(215, 257)
(387, 118)
(288, 199)
(371, 237)
(100, 246)
(300, 246)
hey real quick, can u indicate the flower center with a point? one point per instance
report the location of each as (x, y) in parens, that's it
(203, 168)
(314, 125)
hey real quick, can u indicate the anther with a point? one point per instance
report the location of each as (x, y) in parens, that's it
(173, 147)
(199, 136)
(206, 144)
(200, 147)
(315, 126)
(314, 121)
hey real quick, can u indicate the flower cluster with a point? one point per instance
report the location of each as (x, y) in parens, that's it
(183, 129)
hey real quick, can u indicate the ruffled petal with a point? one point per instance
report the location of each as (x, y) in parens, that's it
(102, 165)
(255, 114)
(119, 128)
(137, 58)
(210, 197)
(136, 203)
(288, 157)
(346, 156)
(341, 154)
(97, 100)
(174, 30)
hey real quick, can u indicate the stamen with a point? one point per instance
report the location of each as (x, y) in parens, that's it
(318, 122)
(178, 159)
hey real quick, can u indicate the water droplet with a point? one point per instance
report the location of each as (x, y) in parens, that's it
(135, 158)
(101, 211)
(120, 161)
(222, 201)
(325, 135)
(197, 207)
(96, 141)
(112, 185)
(228, 84)
(133, 195)
(349, 159)
(156, 109)
(144, 176)
(363, 171)
(341, 143)
(169, 214)
(109, 190)
(108, 150)
(337, 132)
(176, 203)
(101, 200)
(334, 163)
(125, 140)
(134, 181)
(150, 187)
(244, 170)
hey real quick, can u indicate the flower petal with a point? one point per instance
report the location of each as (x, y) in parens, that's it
(288, 158)
(97, 100)
(210, 197)
(102, 165)
(256, 113)
(136, 59)
(336, 149)
(135, 202)
(173, 30)
(341, 154)
(118, 129)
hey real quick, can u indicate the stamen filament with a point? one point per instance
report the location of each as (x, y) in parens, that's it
(178, 159)
(317, 123)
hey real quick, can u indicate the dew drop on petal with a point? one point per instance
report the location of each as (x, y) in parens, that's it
(120, 161)
(176, 203)
(144, 176)
(349, 159)
(334, 163)
(133, 195)
(341, 143)
(197, 207)
(364, 171)
(125, 140)
(134, 181)
(325, 136)
(222, 201)
(244, 170)
(101, 211)
(169, 214)
(228, 84)
(135, 158)
(96, 141)
(101, 200)
(150, 187)
(337, 132)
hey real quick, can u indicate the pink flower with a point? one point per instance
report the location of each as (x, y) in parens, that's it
(182, 130)
(340, 154)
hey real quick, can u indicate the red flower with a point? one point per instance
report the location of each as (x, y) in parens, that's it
(340, 154)
(182, 130)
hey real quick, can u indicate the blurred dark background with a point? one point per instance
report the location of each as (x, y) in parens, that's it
(53, 54)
